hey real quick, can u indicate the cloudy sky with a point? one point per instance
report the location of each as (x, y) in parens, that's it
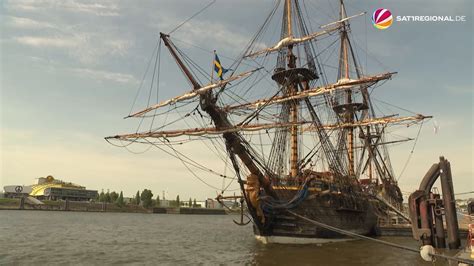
(70, 70)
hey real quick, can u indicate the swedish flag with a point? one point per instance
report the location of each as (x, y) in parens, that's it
(218, 67)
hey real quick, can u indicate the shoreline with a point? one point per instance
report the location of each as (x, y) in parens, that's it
(78, 206)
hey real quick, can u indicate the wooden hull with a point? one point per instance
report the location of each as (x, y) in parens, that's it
(348, 212)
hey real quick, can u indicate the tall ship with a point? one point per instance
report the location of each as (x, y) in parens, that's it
(293, 120)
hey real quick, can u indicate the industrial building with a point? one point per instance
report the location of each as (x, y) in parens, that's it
(214, 204)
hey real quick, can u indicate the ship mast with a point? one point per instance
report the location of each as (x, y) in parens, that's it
(234, 141)
(344, 75)
(294, 86)
(292, 89)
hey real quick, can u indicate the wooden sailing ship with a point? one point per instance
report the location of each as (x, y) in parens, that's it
(339, 178)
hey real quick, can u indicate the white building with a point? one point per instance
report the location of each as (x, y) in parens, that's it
(16, 191)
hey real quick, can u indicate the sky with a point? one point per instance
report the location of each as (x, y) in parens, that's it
(70, 69)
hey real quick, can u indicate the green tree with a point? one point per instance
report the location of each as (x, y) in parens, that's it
(190, 203)
(177, 201)
(107, 196)
(146, 198)
(137, 198)
(158, 203)
(119, 200)
(114, 196)
(194, 203)
(102, 196)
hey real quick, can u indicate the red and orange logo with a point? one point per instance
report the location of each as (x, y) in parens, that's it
(382, 18)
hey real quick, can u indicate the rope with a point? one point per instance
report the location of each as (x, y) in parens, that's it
(269, 204)
(197, 13)
(157, 74)
(354, 235)
(411, 152)
(144, 76)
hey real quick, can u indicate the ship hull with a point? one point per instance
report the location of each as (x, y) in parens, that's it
(347, 212)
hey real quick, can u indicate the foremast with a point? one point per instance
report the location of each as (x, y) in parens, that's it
(234, 142)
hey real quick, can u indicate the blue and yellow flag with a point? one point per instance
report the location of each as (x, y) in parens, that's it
(218, 68)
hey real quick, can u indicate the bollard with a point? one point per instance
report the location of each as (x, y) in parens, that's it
(452, 227)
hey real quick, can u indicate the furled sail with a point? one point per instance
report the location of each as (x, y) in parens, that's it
(193, 93)
(256, 127)
(290, 40)
(340, 85)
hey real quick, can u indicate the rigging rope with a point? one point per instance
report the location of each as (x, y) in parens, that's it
(178, 154)
(411, 152)
(144, 75)
(262, 163)
(270, 205)
(354, 235)
(156, 71)
(195, 14)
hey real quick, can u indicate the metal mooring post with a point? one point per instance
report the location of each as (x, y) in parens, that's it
(452, 227)
(438, 219)
(427, 209)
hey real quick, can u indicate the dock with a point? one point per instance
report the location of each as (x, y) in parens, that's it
(199, 211)
(405, 230)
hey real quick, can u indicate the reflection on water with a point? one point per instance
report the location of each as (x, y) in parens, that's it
(29, 237)
(344, 253)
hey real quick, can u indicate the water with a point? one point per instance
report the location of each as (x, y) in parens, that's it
(80, 238)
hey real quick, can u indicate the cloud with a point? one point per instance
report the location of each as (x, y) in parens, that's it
(95, 9)
(83, 72)
(27, 23)
(86, 47)
(20, 6)
(104, 75)
(49, 25)
(220, 34)
(198, 33)
(55, 42)
(105, 8)
(117, 46)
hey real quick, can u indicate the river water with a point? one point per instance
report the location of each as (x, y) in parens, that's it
(81, 238)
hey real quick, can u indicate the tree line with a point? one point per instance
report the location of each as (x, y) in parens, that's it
(145, 199)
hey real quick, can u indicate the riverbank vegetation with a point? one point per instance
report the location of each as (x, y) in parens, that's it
(113, 201)
(144, 199)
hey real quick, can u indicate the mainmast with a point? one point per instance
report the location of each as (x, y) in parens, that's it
(344, 75)
(292, 89)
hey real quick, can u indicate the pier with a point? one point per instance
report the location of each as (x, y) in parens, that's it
(201, 211)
